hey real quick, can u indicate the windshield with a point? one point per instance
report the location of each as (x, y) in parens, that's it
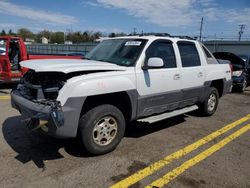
(123, 52)
(3, 44)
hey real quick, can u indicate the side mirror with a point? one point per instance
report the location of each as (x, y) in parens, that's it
(153, 63)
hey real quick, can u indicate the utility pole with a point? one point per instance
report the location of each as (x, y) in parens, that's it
(201, 28)
(134, 33)
(242, 27)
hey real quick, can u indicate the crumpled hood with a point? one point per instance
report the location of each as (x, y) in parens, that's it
(69, 65)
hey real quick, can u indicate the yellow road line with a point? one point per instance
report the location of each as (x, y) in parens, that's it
(198, 158)
(5, 97)
(141, 174)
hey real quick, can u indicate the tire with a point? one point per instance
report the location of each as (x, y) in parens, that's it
(101, 129)
(209, 106)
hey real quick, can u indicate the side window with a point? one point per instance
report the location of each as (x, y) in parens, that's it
(3, 46)
(189, 54)
(164, 50)
(206, 52)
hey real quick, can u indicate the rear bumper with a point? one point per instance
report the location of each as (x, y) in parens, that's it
(70, 113)
(238, 81)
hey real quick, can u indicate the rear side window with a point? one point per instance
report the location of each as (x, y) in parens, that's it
(164, 50)
(189, 54)
(206, 52)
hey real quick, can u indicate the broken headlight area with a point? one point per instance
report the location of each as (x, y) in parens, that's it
(41, 85)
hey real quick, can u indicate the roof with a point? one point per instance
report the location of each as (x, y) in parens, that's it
(154, 37)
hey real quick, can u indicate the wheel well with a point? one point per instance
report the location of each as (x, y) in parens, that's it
(219, 85)
(120, 99)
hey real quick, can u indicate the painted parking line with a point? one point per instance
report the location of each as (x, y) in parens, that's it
(5, 97)
(141, 174)
(198, 158)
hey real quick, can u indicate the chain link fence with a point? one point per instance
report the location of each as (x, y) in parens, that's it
(60, 48)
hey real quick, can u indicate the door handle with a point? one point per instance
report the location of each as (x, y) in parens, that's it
(200, 74)
(177, 76)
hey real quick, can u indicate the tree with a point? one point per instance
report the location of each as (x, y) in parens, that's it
(97, 35)
(3, 33)
(57, 37)
(25, 33)
(121, 34)
(112, 35)
(10, 32)
(85, 36)
(79, 37)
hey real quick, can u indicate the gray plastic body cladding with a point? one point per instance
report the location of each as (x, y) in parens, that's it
(71, 113)
(227, 86)
(133, 97)
(158, 103)
(169, 101)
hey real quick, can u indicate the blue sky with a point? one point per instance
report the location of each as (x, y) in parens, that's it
(221, 18)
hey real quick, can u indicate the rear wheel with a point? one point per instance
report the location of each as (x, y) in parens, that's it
(209, 106)
(102, 129)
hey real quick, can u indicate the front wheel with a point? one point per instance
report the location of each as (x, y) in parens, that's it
(209, 106)
(102, 129)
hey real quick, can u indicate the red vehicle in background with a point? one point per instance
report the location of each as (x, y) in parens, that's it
(12, 52)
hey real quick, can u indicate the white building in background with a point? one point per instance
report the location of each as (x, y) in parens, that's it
(29, 41)
(68, 42)
(44, 40)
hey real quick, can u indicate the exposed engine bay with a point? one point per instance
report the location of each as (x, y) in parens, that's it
(41, 85)
(45, 86)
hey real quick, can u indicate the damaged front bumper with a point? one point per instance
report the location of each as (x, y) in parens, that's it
(50, 116)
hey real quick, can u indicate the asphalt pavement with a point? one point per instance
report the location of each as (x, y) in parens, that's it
(185, 151)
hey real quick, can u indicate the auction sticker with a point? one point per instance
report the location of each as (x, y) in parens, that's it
(133, 43)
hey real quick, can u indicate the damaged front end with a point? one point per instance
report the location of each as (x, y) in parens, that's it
(54, 115)
(36, 99)
(41, 86)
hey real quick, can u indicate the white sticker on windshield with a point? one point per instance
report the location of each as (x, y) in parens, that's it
(133, 43)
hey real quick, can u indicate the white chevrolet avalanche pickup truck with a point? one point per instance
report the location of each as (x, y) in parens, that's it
(143, 78)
